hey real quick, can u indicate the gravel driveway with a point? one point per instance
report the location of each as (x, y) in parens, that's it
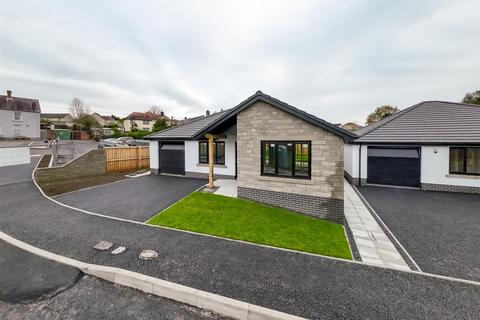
(440, 230)
(136, 198)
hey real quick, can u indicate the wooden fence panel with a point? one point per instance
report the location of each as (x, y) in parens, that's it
(127, 158)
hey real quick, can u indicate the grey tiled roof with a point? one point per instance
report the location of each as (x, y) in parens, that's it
(19, 104)
(188, 130)
(196, 129)
(427, 122)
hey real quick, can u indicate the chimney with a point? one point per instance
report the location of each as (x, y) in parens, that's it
(9, 93)
(207, 113)
(161, 113)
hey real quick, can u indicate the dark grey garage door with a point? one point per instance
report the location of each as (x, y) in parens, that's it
(394, 166)
(172, 158)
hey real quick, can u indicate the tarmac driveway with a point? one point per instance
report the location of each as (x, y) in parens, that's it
(21, 172)
(440, 230)
(134, 198)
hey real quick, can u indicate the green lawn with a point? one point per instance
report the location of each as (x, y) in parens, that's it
(250, 221)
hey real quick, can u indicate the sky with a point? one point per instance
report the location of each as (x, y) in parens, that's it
(335, 59)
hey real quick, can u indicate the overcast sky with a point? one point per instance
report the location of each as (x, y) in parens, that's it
(335, 59)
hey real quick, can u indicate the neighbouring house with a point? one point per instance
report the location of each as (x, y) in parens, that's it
(19, 117)
(103, 120)
(433, 145)
(143, 120)
(280, 155)
(57, 119)
(351, 126)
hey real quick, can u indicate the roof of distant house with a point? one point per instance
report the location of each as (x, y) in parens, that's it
(197, 128)
(107, 118)
(144, 116)
(427, 122)
(54, 115)
(9, 102)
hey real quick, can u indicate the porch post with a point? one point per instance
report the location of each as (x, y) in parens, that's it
(210, 160)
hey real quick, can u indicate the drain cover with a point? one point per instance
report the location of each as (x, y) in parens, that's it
(148, 254)
(103, 246)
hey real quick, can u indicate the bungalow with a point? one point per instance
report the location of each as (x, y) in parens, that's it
(280, 155)
(433, 145)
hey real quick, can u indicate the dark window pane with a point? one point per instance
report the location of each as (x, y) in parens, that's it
(220, 152)
(301, 159)
(457, 158)
(269, 158)
(284, 154)
(473, 160)
(203, 155)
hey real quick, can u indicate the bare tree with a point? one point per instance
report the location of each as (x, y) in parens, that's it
(155, 110)
(78, 108)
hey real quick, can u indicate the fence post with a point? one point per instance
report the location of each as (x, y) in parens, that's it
(139, 157)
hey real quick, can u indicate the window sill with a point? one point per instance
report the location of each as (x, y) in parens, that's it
(462, 176)
(306, 181)
(215, 165)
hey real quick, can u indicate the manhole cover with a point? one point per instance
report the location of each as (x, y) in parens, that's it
(148, 254)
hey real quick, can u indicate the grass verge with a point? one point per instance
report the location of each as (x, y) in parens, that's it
(254, 222)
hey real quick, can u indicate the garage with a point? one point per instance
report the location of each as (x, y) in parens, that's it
(394, 166)
(172, 158)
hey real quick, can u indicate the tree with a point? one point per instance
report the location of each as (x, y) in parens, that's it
(159, 125)
(155, 110)
(78, 108)
(133, 126)
(87, 122)
(472, 97)
(380, 113)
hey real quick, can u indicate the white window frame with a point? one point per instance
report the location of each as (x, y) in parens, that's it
(14, 115)
(19, 132)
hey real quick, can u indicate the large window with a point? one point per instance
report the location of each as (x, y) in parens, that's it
(286, 158)
(218, 152)
(465, 160)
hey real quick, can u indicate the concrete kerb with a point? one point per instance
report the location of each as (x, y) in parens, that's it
(194, 297)
(250, 243)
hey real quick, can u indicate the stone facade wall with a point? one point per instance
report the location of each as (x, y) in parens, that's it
(89, 164)
(449, 188)
(321, 194)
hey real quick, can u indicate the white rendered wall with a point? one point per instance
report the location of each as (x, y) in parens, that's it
(191, 158)
(14, 156)
(351, 160)
(435, 167)
(154, 162)
(29, 124)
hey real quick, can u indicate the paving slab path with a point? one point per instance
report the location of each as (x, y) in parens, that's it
(301, 284)
(372, 243)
